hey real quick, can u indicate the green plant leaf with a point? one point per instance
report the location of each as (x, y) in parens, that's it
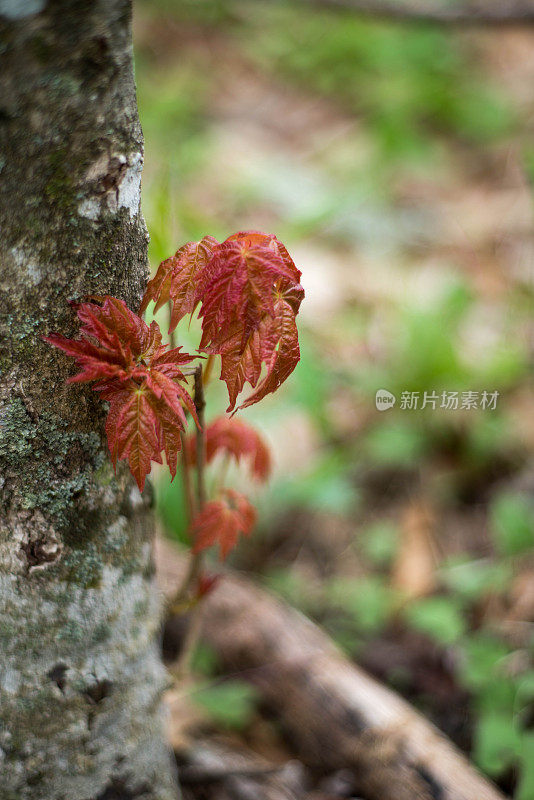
(497, 742)
(379, 542)
(369, 600)
(439, 617)
(512, 523)
(475, 579)
(230, 704)
(525, 789)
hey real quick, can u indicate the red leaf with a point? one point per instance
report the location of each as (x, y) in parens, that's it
(177, 278)
(138, 376)
(169, 439)
(239, 366)
(132, 430)
(251, 294)
(113, 319)
(284, 359)
(221, 521)
(206, 583)
(238, 282)
(95, 362)
(238, 440)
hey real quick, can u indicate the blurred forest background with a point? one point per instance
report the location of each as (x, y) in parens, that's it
(396, 162)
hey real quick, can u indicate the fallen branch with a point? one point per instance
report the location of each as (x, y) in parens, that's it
(241, 774)
(335, 714)
(500, 12)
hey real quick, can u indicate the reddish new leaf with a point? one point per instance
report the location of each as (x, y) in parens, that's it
(237, 285)
(283, 359)
(251, 294)
(238, 440)
(139, 378)
(274, 344)
(177, 279)
(113, 320)
(239, 366)
(206, 583)
(131, 427)
(222, 521)
(169, 438)
(95, 362)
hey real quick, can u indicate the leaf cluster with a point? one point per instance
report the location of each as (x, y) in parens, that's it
(249, 293)
(138, 376)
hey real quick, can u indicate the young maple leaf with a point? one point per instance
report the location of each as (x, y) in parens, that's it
(221, 521)
(131, 428)
(281, 359)
(275, 344)
(251, 293)
(138, 376)
(237, 285)
(238, 440)
(177, 278)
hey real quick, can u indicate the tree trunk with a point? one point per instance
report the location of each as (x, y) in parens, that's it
(80, 676)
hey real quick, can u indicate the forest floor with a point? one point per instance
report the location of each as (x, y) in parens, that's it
(397, 165)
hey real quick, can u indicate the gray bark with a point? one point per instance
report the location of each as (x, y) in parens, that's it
(80, 676)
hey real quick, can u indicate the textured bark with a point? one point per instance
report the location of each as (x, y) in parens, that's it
(80, 677)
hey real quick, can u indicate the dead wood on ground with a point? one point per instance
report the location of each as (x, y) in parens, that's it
(334, 714)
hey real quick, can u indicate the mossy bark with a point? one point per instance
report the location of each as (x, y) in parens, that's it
(80, 676)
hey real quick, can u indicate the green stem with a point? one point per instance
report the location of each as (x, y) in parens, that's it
(189, 494)
(177, 602)
(200, 405)
(195, 565)
(208, 369)
(172, 334)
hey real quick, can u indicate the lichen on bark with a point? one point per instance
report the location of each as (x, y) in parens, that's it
(80, 677)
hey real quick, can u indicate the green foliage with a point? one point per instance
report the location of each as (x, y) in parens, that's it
(230, 704)
(171, 507)
(525, 790)
(497, 742)
(206, 13)
(472, 580)
(438, 617)
(403, 81)
(396, 442)
(379, 542)
(512, 523)
(484, 655)
(204, 660)
(174, 115)
(288, 584)
(427, 352)
(368, 601)
(503, 698)
(313, 387)
(327, 486)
